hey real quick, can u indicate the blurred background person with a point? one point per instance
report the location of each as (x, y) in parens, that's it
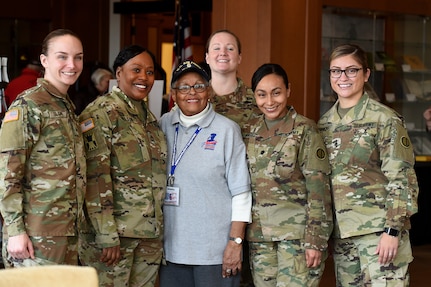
(27, 79)
(427, 117)
(93, 82)
(100, 79)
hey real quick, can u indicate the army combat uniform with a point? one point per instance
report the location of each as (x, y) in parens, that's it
(238, 106)
(291, 208)
(42, 174)
(373, 186)
(126, 158)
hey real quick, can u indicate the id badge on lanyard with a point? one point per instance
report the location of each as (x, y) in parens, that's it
(172, 196)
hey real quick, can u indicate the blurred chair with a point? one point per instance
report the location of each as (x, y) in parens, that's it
(49, 276)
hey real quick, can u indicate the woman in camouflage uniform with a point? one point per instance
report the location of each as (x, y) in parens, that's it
(126, 158)
(42, 162)
(292, 218)
(230, 96)
(374, 185)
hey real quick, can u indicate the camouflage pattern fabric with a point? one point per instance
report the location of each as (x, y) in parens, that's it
(239, 106)
(283, 264)
(42, 165)
(374, 184)
(290, 185)
(49, 250)
(1, 241)
(289, 170)
(349, 253)
(138, 266)
(126, 160)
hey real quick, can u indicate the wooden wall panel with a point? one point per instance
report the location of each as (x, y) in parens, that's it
(289, 33)
(284, 32)
(26, 9)
(250, 21)
(89, 19)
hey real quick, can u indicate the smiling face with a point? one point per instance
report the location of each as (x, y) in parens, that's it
(193, 102)
(349, 90)
(271, 96)
(63, 61)
(136, 77)
(223, 53)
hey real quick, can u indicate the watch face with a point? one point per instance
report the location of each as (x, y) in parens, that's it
(238, 240)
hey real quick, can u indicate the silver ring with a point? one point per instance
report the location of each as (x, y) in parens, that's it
(228, 270)
(390, 254)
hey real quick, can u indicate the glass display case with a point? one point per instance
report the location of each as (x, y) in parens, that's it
(399, 55)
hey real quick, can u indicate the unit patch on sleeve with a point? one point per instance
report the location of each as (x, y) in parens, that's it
(90, 141)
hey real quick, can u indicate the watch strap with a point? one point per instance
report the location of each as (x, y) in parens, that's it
(391, 231)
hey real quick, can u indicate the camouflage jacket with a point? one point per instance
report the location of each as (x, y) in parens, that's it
(238, 106)
(290, 185)
(126, 169)
(42, 164)
(374, 184)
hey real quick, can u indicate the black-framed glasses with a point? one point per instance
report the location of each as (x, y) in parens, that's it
(185, 89)
(350, 72)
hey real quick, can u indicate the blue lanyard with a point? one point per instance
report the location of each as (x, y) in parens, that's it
(174, 162)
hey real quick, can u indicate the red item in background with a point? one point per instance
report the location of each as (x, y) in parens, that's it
(26, 80)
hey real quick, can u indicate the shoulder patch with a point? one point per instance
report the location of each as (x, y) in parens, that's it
(12, 115)
(321, 153)
(405, 142)
(90, 141)
(87, 125)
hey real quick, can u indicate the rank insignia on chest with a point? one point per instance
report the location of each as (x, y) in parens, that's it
(90, 141)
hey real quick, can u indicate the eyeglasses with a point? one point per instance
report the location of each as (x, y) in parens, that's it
(350, 72)
(185, 89)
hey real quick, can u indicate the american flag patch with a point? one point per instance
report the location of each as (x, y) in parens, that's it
(87, 125)
(11, 115)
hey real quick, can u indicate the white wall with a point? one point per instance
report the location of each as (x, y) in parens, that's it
(114, 33)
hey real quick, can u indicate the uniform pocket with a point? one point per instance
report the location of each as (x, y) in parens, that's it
(55, 146)
(131, 149)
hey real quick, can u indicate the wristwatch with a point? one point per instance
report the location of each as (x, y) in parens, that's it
(237, 240)
(391, 231)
